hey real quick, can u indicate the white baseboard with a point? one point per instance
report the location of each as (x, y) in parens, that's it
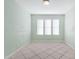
(69, 45)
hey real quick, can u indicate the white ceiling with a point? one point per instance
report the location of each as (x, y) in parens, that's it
(55, 6)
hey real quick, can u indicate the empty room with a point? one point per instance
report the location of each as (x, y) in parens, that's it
(39, 29)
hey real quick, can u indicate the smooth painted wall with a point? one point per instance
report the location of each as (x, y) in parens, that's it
(17, 26)
(70, 27)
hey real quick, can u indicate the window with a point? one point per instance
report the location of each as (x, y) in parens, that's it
(48, 27)
(56, 27)
(44, 27)
(40, 27)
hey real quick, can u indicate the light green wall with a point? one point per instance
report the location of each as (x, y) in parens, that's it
(70, 27)
(17, 26)
(47, 38)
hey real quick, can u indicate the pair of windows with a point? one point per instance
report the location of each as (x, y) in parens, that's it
(48, 27)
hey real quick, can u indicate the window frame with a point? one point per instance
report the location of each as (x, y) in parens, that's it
(52, 28)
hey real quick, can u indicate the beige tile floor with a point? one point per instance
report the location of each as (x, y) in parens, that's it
(45, 51)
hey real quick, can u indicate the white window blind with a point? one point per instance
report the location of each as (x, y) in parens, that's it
(48, 27)
(55, 26)
(40, 27)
